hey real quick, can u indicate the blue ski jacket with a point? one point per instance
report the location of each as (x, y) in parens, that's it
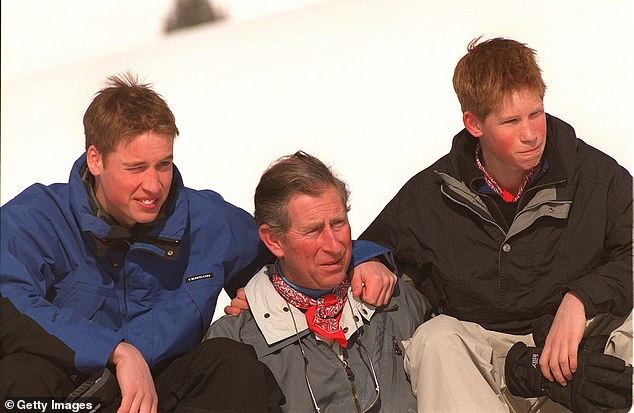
(67, 270)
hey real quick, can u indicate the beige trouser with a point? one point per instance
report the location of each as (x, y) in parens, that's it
(458, 366)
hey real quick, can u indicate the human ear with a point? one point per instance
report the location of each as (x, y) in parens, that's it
(94, 159)
(472, 124)
(272, 240)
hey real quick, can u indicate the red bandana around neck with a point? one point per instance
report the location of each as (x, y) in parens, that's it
(322, 314)
(506, 195)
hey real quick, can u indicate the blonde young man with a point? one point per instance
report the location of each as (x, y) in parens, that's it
(522, 233)
(120, 270)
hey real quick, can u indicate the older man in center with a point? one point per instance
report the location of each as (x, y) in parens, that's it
(328, 350)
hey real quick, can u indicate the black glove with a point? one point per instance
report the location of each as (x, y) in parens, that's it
(600, 382)
(540, 328)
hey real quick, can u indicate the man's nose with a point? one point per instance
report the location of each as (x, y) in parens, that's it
(329, 241)
(528, 133)
(151, 181)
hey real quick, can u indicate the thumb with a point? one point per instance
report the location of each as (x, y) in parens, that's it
(356, 284)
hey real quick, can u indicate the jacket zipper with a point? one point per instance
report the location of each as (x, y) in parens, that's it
(125, 278)
(350, 375)
(505, 233)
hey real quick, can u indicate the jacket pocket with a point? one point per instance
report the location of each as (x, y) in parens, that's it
(86, 299)
(203, 290)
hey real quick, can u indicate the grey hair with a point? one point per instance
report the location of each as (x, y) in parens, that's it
(288, 176)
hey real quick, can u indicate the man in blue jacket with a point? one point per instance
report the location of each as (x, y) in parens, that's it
(122, 267)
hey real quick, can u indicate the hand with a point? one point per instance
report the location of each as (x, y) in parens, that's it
(558, 360)
(138, 393)
(238, 303)
(601, 382)
(372, 282)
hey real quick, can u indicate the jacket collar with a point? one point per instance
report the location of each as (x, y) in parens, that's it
(275, 317)
(462, 157)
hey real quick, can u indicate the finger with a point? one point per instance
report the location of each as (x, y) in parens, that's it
(135, 406)
(555, 370)
(565, 366)
(126, 404)
(543, 363)
(230, 310)
(384, 296)
(384, 292)
(241, 294)
(147, 403)
(356, 284)
(560, 368)
(370, 293)
(240, 303)
(357, 291)
(557, 362)
(572, 358)
(390, 291)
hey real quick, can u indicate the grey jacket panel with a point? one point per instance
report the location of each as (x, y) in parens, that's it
(380, 333)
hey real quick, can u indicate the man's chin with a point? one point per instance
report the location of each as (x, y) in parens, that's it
(333, 280)
(145, 218)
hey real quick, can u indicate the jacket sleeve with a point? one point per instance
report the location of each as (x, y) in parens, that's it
(363, 250)
(228, 326)
(608, 287)
(392, 230)
(32, 264)
(244, 253)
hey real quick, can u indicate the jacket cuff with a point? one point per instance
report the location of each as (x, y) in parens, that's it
(589, 308)
(363, 251)
(95, 352)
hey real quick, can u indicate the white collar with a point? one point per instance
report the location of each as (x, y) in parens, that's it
(274, 316)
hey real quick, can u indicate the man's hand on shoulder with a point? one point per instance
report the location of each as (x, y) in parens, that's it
(238, 303)
(138, 393)
(373, 282)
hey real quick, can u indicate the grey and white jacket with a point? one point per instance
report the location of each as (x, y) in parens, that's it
(273, 328)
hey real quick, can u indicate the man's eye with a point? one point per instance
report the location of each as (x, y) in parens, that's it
(339, 224)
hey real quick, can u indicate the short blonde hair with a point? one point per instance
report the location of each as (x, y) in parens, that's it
(123, 109)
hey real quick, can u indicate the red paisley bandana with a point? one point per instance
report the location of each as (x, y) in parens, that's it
(506, 195)
(322, 314)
